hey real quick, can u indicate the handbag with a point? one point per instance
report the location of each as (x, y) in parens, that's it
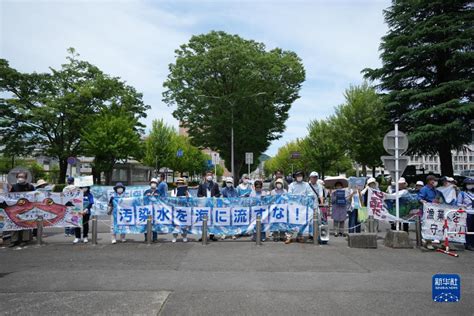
(362, 214)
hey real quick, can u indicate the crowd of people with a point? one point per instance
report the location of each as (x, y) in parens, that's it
(343, 201)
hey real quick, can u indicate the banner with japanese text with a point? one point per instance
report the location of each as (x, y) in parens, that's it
(20, 210)
(226, 216)
(432, 226)
(376, 207)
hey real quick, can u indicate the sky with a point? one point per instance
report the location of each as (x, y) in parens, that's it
(135, 40)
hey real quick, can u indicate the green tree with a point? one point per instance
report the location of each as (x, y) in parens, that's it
(111, 137)
(320, 149)
(159, 145)
(221, 82)
(361, 125)
(52, 108)
(283, 159)
(192, 160)
(427, 74)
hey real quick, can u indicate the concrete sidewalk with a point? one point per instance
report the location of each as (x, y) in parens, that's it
(225, 277)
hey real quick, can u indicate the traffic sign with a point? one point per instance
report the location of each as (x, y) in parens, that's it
(179, 153)
(215, 159)
(72, 160)
(295, 155)
(389, 142)
(389, 164)
(249, 158)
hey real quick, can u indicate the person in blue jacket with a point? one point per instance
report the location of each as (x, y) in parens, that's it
(87, 202)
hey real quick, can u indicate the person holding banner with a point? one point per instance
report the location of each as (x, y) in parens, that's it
(229, 190)
(209, 188)
(278, 175)
(119, 190)
(244, 189)
(448, 191)
(87, 201)
(181, 190)
(257, 189)
(429, 194)
(68, 231)
(402, 190)
(466, 199)
(20, 237)
(279, 188)
(150, 193)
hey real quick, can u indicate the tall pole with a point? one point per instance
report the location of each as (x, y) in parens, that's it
(232, 141)
(397, 175)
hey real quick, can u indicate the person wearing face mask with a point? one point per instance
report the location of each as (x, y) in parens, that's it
(162, 186)
(466, 200)
(152, 192)
(428, 194)
(181, 190)
(300, 187)
(278, 175)
(279, 188)
(316, 187)
(68, 231)
(229, 191)
(20, 237)
(448, 191)
(119, 190)
(244, 189)
(87, 201)
(209, 188)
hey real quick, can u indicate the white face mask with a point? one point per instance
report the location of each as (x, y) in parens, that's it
(120, 190)
(153, 185)
(209, 178)
(21, 180)
(229, 185)
(299, 179)
(470, 186)
(279, 186)
(245, 181)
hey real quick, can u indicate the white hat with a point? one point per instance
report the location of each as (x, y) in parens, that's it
(313, 174)
(449, 179)
(229, 179)
(154, 180)
(371, 180)
(420, 183)
(402, 180)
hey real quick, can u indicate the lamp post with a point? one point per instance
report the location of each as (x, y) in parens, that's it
(232, 104)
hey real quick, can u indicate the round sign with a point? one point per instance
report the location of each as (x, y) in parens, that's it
(71, 160)
(389, 142)
(12, 175)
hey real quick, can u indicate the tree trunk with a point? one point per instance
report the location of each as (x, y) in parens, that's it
(373, 171)
(96, 176)
(62, 170)
(108, 177)
(364, 170)
(445, 159)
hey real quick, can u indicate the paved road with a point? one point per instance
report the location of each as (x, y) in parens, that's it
(225, 277)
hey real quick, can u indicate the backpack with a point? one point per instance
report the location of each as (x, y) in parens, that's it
(340, 198)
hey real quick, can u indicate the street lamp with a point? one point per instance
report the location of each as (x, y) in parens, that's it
(232, 104)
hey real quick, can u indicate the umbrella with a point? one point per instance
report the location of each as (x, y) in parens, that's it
(329, 182)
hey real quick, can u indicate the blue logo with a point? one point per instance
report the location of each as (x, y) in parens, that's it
(446, 288)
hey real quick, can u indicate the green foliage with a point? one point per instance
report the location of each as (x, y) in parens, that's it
(360, 125)
(193, 159)
(50, 109)
(159, 145)
(283, 161)
(221, 80)
(427, 74)
(111, 137)
(37, 171)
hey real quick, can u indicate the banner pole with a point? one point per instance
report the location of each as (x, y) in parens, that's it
(418, 231)
(397, 176)
(148, 230)
(204, 231)
(315, 226)
(259, 230)
(94, 229)
(39, 230)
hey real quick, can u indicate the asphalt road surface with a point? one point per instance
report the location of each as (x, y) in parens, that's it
(225, 277)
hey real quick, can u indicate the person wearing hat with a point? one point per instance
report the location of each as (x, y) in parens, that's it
(402, 190)
(418, 186)
(244, 189)
(119, 192)
(448, 191)
(373, 185)
(68, 231)
(41, 185)
(278, 175)
(152, 192)
(340, 198)
(229, 191)
(466, 200)
(181, 190)
(316, 187)
(279, 187)
(300, 187)
(20, 237)
(87, 202)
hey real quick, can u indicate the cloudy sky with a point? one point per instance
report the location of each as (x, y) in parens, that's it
(135, 40)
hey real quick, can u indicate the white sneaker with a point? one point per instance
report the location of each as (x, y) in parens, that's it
(173, 240)
(124, 240)
(185, 240)
(114, 241)
(86, 240)
(76, 241)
